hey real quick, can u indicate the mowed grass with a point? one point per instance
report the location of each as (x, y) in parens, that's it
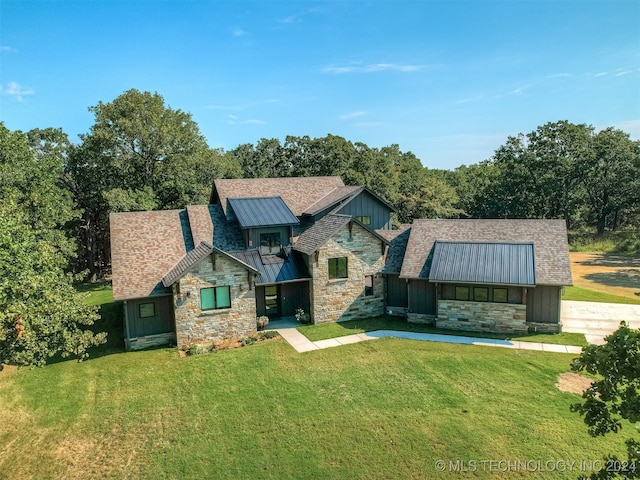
(585, 295)
(384, 409)
(333, 330)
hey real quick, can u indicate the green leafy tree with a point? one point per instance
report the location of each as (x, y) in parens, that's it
(614, 396)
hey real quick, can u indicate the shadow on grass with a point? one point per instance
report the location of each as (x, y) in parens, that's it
(629, 278)
(612, 260)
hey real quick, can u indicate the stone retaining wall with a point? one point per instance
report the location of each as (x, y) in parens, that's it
(482, 316)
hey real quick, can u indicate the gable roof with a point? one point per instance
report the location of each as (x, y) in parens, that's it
(202, 251)
(317, 235)
(297, 192)
(338, 194)
(262, 211)
(201, 223)
(144, 246)
(486, 263)
(549, 237)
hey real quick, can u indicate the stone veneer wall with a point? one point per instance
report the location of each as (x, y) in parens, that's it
(544, 327)
(343, 299)
(421, 318)
(149, 341)
(482, 316)
(193, 325)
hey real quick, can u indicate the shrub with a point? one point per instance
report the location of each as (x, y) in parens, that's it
(302, 316)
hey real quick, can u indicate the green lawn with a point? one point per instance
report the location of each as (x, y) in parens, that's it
(584, 295)
(383, 409)
(332, 330)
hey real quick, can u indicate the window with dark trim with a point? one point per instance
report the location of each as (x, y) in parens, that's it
(480, 294)
(500, 295)
(215, 298)
(462, 293)
(270, 243)
(368, 285)
(147, 310)
(365, 219)
(338, 268)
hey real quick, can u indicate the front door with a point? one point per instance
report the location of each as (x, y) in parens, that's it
(272, 300)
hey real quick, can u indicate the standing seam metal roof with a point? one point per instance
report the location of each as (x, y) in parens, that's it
(272, 268)
(487, 263)
(262, 212)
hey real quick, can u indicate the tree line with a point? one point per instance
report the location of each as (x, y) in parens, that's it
(141, 154)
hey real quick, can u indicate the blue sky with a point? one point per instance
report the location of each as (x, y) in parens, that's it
(448, 81)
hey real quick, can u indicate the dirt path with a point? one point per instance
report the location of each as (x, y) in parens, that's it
(607, 272)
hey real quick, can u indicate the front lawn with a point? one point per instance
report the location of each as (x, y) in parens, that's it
(584, 295)
(385, 322)
(384, 409)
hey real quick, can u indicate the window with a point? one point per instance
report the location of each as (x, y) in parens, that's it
(338, 268)
(215, 298)
(462, 293)
(365, 220)
(147, 310)
(480, 294)
(500, 295)
(270, 243)
(368, 285)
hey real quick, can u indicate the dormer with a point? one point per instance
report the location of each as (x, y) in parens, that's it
(266, 222)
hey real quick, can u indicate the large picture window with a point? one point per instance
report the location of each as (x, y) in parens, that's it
(338, 268)
(480, 294)
(215, 298)
(270, 243)
(500, 295)
(462, 293)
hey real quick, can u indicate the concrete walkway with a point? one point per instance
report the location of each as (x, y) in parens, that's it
(597, 320)
(303, 344)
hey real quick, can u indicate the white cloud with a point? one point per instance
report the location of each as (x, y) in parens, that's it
(347, 116)
(559, 75)
(600, 74)
(238, 32)
(232, 117)
(17, 91)
(254, 121)
(5, 48)
(372, 67)
(621, 71)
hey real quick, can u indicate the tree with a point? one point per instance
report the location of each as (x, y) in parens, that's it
(40, 313)
(140, 154)
(612, 177)
(614, 396)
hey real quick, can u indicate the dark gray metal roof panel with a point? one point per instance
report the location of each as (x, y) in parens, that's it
(262, 212)
(272, 268)
(480, 262)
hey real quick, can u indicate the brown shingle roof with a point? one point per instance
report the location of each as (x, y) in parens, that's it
(298, 193)
(397, 246)
(321, 231)
(336, 195)
(549, 237)
(200, 223)
(144, 246)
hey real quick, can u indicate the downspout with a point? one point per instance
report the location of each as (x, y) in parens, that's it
(126, 326)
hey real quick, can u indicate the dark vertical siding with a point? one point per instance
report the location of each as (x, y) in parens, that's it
(422, 297)
(162, 322)
(261, 308)
(293, 296)
(396, 291)
(366, 205)
(543, 304)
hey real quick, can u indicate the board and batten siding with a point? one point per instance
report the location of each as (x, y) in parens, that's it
(396, 291)
(422, 297)
(364, 204)
(160, 322)
(543, 304)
